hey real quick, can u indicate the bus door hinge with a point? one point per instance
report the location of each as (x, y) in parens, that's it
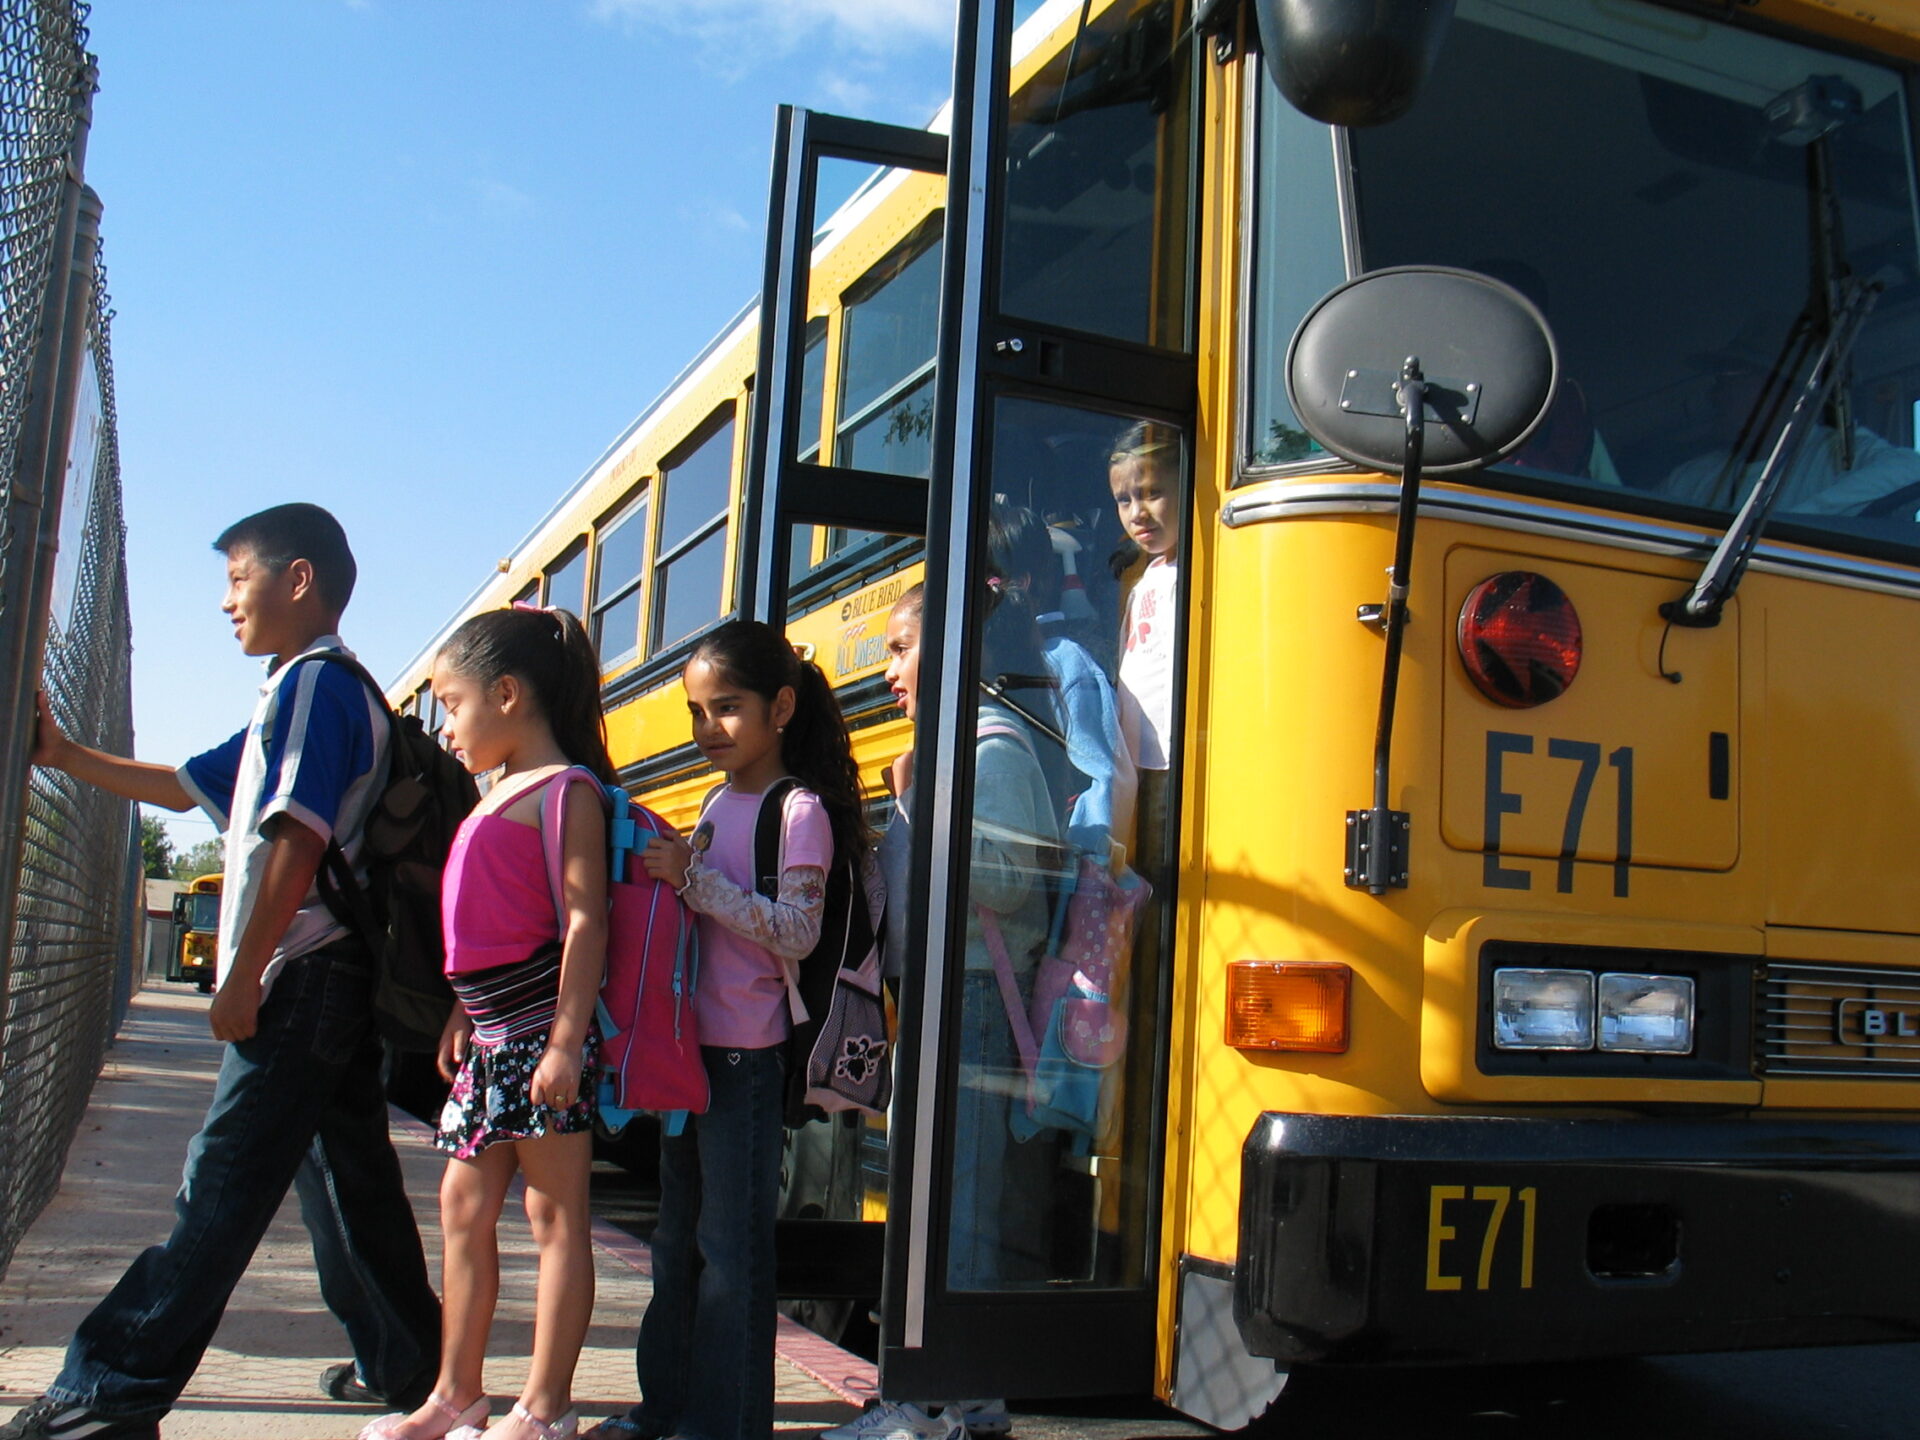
(1377, 850)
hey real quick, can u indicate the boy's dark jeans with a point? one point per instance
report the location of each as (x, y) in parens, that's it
(299, 1103)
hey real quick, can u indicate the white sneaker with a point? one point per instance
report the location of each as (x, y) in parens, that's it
(899, 1420)
(986, 1419)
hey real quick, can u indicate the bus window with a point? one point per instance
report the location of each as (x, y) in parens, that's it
(530, 595)
(1069, 789)
(619, 559)
(567, 581)
(693, 538)
(1655, 189)
(886, 370)
(1297, 236)
(813, 394)
(1099, 171)
(813, 390)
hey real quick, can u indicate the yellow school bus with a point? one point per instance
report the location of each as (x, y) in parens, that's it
(1555, 996)
(196, 933)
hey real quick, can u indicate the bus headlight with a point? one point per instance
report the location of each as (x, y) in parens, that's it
(1542, 1009)
(1646, 1014)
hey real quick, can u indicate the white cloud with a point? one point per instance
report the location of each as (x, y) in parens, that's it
(501, 201)
(709, 215)
(741, 32)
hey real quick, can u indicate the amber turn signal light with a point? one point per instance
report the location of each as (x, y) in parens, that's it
(1288, 1005)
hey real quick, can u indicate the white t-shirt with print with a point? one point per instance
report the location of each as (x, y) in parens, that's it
(1147, 653)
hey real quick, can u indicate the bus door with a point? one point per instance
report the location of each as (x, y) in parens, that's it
(1026, 1134)
(837, 497)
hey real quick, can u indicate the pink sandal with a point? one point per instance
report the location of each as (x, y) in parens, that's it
(471, 1418)
(567, 1427)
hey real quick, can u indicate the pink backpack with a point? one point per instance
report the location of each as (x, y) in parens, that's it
(649, 1047)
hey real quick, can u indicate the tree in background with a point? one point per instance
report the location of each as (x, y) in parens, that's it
(206, 858)
(156, 848)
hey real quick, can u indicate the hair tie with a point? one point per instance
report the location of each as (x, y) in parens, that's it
(552, 612)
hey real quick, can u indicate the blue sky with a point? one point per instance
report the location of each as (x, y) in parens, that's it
(420, 261)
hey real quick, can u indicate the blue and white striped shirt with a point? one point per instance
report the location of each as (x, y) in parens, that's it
(315, 751)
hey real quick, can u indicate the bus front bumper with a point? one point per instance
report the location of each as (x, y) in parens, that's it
(1444, 1239)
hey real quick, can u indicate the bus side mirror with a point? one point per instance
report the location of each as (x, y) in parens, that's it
(180, 903)
(1351, 62)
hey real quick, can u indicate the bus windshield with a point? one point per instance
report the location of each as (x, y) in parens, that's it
(203, 912)
(1679, 196)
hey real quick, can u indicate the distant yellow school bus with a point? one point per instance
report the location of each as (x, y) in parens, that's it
(1617, 1054)
(196, 933)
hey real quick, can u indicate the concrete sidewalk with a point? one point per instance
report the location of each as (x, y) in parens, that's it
(259, 1379)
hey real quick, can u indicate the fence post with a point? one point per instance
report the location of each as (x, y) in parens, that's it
(35, 492)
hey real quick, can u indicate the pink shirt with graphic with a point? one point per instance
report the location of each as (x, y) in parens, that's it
(1145, 691)
(741, 1001)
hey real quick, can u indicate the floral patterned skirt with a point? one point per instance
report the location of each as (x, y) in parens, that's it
(489, 1100)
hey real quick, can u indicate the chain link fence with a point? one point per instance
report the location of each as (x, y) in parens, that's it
(72, 913)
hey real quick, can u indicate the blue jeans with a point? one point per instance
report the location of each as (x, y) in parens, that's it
(705, 1352)
(299, 1103)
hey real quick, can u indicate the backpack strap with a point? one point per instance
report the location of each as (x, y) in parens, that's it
(553, 830)
(1023, 1038)
(340, 891)
(769, 833)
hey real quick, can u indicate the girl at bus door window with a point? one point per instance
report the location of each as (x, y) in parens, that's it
(521, 691)
(1143, 473)
(760, 713)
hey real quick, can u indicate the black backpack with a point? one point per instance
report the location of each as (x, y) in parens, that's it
(845, 928)
(397, 913)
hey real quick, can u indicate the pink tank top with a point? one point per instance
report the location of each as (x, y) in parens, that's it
(495, 905)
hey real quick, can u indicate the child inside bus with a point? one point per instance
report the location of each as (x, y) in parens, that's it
(1001, 1187)
(1144, 474)
(760, 713)
(1088, 712)
(298, 1100)
(521, 691)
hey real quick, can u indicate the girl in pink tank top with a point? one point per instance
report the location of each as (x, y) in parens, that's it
(521, 690)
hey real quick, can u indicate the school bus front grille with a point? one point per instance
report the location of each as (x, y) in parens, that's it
(1838, 1021)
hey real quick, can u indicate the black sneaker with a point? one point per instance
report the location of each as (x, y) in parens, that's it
(342, 1382)
(50, 1419)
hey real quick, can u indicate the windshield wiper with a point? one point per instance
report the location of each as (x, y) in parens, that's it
(1837, 306)
(1721, 576)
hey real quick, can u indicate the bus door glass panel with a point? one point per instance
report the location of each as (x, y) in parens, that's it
(884, 420)
(690, 567)
(1054, 1100)
(806, 549)
(567, 581)
(882, 348)
(1675, 198)
(1098, 225)
(619, 561)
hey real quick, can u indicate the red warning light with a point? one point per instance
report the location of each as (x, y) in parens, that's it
(1519, 639)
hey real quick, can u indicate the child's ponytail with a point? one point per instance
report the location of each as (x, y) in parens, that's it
(814, 747)
(579, 724)
(552, 654)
